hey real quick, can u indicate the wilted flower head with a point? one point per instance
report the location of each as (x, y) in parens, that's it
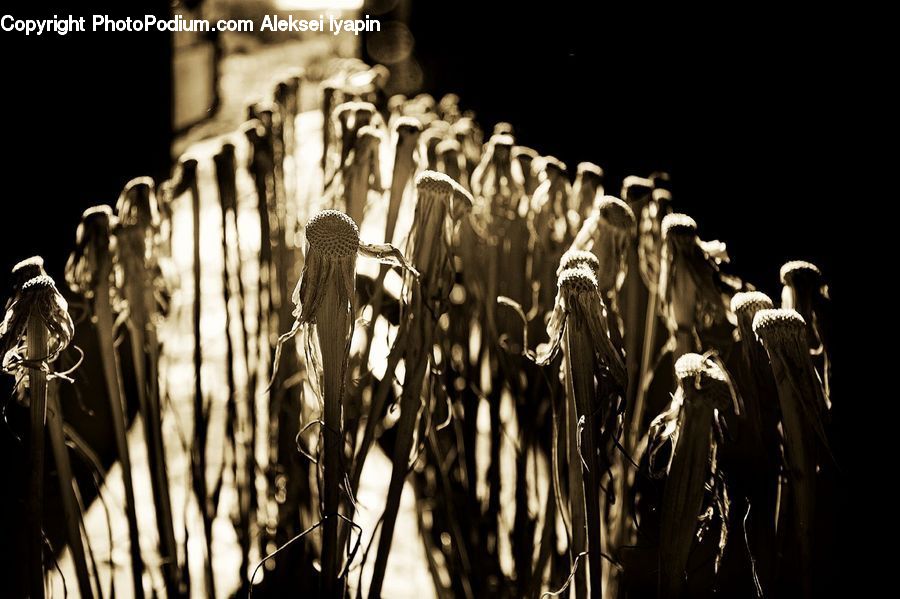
(90, 261)
(574, 258)
(588, 183)
(579, 304)
(606, 232)
(783, 334)
(333, 243)
(524, 159)
(36, 297)
(26, 270)
(407, 126)
(745, 305)
(549, 202)
(449, 159)
(806, 292)
(695, 293)
(434, 133)
(493, 179)
(682, 446)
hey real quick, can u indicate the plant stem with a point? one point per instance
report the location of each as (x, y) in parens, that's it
(580, 367)
(115, 391)
(416, 359)
(37, 349)
(332, 319)
(71, 511)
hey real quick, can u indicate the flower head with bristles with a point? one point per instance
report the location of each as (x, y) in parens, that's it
(583, 307)
(39, 297)
(678, 225)
(25, 270)
(91, 257)
(778, 326)
(750, 302)
(702, 376)
(783, 334)
(333, 243)
(574, 258)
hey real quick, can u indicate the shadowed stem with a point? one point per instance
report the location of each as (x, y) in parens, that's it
(37, 349)
(71, 511)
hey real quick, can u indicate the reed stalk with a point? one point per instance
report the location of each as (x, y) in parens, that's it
(324, 297)
(595, 379)
(362, 171)
(89, 273)
(72, 519)
(241, 420)
(428, 250)
(758, 442)
(35, 329)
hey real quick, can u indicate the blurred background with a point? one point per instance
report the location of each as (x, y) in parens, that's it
(743, 108)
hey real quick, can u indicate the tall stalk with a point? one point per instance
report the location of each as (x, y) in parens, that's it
(136, 236)
(703, 395)
(72, 519)
(37, 324)
(324, 297)
(89, 273)
(803, 409)
(240, 418)
(428, 250)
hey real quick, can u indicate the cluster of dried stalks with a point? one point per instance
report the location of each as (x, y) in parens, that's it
(581, 398)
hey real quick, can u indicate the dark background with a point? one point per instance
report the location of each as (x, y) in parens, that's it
(749, 110)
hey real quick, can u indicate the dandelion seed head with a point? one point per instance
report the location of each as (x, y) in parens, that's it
(395, 103)
(462, 127)
(462, 200)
